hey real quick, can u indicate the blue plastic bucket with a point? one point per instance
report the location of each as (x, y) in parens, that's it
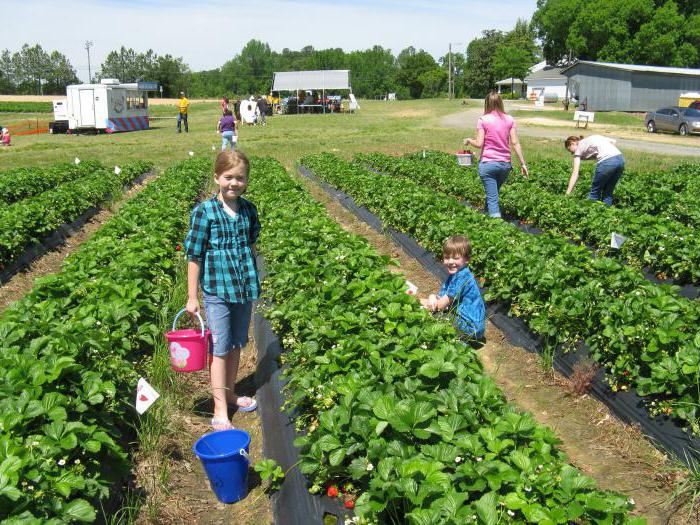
(224, 455)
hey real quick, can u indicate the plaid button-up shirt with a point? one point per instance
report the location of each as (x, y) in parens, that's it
(223, 245)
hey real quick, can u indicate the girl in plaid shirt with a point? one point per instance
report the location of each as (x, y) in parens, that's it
(221, 253)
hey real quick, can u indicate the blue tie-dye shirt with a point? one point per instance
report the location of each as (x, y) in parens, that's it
(466, 298)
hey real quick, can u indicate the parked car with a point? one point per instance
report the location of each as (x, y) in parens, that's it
(676, 119)
(695, 105)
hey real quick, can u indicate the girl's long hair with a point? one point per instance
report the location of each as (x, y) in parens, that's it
(493, 102)
(571, 140)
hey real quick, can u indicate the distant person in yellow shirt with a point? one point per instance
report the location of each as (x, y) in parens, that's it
(183, 106)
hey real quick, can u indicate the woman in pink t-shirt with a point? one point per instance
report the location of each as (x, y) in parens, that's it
(495, 134)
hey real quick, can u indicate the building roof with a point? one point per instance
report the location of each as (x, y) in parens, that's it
(634, 67)
(550, 73)
(323, 79)
(509, 81)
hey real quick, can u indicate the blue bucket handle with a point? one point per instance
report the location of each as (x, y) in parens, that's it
(243, 453)
(179, 314)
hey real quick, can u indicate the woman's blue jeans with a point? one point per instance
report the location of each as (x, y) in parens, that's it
(493, 175)
(607, 175)
(227, 140)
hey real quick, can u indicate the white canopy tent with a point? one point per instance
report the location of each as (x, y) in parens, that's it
(317, 80)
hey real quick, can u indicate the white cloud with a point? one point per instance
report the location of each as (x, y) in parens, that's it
(208, 33)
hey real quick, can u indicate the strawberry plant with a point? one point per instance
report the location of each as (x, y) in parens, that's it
(28, 221)
(391, 406)
(20, 183)
(667, 246)
(644, 335)
(674, 193)
(68, 353)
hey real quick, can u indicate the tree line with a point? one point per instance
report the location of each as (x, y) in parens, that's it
(652, 32)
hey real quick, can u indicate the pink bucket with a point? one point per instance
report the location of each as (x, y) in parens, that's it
(188, 348)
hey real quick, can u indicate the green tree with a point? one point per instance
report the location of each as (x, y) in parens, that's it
(172, 73)
(480, 75)
(412, 65)
(433, 82)
(372, 72)
(659, 32)
(60, 74)
(661, 40)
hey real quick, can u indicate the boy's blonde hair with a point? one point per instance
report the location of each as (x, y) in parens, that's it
(458, 245)
(228, 160)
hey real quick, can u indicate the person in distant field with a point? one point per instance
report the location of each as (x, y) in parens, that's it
(227, 128)
(610, 165)
(224, 105)
(220, 249)
(495, 134)
(6, 139)
(262, 108)
(183, 108)
(237, 109)
(460, 293)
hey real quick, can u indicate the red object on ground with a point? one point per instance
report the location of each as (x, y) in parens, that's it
(350, 504)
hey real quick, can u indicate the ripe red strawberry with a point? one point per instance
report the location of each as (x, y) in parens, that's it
(178, 248)
(350, 504)
(626, 373)
(332, 491)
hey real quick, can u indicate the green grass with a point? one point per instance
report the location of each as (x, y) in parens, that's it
(24, 107)
(616, 118)
(391, 127)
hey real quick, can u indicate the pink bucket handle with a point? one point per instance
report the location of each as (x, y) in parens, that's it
(179, 314)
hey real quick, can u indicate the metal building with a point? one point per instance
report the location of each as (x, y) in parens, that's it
(605, 86)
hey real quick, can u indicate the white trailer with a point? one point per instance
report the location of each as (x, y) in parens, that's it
(108, 106)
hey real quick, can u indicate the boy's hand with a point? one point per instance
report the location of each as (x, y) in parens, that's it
(432, 302)
(192, 307)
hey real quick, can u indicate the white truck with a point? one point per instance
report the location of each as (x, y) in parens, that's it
(109, 107)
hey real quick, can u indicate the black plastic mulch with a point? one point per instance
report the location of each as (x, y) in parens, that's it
(292, 504)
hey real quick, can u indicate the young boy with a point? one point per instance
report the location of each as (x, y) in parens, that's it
(460, 291)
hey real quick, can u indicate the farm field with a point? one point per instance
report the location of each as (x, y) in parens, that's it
(387, 399)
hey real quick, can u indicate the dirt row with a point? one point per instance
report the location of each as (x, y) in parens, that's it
(616, 455)
(22, 282)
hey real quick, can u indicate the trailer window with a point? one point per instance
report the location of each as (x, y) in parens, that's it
(135, 100)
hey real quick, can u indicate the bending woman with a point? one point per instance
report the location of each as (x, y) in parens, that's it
(495, 134)
(610, 164)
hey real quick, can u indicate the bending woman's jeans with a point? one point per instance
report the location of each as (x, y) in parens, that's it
(493, 175)
(607, 174)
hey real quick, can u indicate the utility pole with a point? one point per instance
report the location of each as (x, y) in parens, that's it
(450, 73)
(88, 45)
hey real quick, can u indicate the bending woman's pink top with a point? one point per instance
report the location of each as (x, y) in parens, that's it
(496, 128)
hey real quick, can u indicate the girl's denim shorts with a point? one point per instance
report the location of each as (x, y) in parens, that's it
(228, 323)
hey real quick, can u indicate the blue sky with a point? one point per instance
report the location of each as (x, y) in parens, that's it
(209, 32)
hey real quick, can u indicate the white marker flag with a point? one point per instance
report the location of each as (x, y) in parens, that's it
(77, 161)
(617, 240)
(412, 288)
(117, 170)
(145, 396)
